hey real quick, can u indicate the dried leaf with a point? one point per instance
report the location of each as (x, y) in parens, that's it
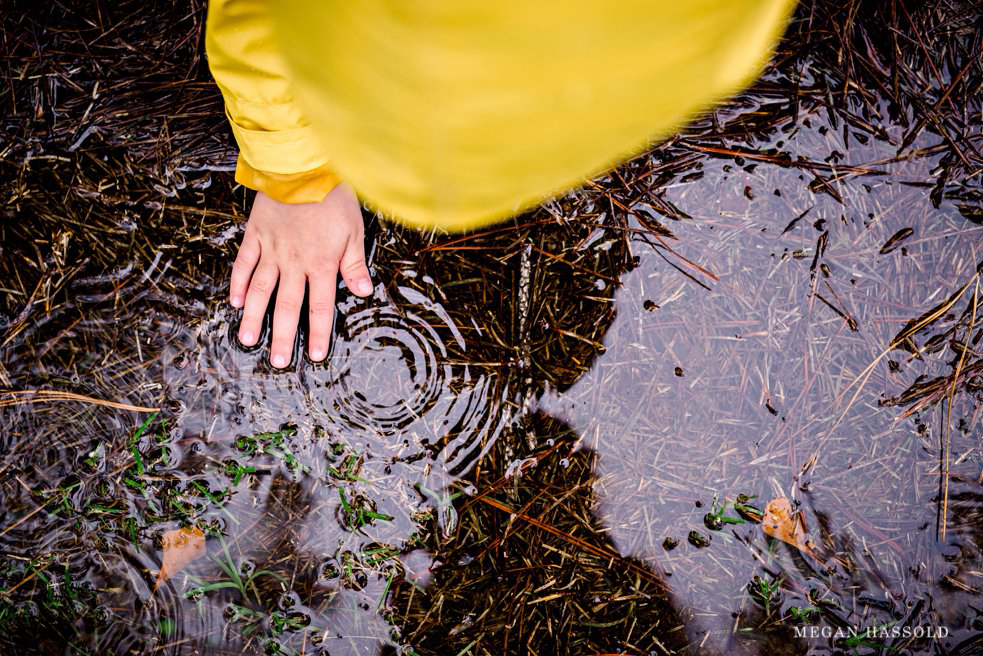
(181, 546)
(895, 240)
(783, 523)
(794, 221)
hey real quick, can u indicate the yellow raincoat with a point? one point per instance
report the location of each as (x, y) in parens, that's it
(456, 113)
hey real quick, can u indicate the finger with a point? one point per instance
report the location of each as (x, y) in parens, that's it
(245, 262)
(353, 269)
(320, 305)
(257, 299)
(289, 298)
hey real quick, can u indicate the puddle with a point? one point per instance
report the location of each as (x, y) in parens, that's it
(507, 431)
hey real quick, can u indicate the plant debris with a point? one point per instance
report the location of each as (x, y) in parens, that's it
(180, 547)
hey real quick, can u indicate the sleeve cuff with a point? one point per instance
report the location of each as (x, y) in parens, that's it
(282, 152)
(293, 188)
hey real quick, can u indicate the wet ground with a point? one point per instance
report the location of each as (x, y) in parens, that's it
(781, 302)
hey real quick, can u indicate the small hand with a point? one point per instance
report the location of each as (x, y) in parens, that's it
(309, 243)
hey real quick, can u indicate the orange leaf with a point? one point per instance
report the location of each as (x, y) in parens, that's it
(181, 546)
(783, 523)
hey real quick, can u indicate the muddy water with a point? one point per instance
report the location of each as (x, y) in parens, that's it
(315, 480)
(578, 368)
(711, 393)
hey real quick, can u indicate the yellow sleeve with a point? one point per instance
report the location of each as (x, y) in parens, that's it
(279, 153)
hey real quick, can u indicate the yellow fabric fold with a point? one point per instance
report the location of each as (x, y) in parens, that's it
(306, 187)
(280, 153)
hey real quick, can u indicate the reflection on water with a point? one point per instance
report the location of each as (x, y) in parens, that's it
(507, 431)
(399, 372)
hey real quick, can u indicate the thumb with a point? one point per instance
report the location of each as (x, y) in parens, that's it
(352, 267)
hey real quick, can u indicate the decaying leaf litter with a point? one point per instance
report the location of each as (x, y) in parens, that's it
(535, 518)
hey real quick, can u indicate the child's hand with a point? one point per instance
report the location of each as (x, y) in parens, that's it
(309, 243)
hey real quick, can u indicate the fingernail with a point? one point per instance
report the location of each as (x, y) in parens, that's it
(279, 361)
(364, 286)
(236, 301)
(317, 355)
(247, 338)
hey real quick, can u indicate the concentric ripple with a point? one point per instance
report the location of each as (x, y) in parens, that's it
(398, 370)
(392, 369)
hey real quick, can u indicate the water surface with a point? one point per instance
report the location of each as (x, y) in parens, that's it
(506, 432)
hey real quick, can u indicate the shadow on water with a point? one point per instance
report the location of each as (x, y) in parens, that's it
(511, 440)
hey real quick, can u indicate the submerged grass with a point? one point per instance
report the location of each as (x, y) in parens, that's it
(119, 223)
